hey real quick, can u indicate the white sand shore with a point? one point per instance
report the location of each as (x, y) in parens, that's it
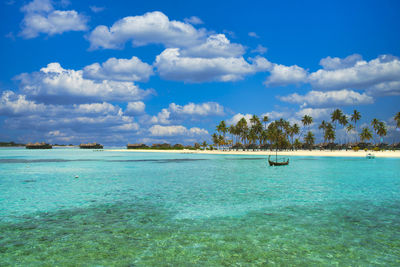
(313, 153)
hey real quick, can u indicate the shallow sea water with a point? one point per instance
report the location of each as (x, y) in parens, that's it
(162, 209)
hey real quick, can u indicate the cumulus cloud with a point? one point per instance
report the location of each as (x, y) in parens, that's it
(150, 28)
(171, 65)
(177, 112)
(119, 69)
(56, 84)
(335, 63)
(315, 113)
(135, 108)
(14, 104)
(283, 75)
(176, 130)
(379, 76)
(275, 115)
(259, 49)
(193, 20)
(216, 45)
(202, 109)
(237, 117)
(331, 98)
(41, 17)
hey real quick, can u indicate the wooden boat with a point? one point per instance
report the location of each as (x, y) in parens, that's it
(276, 162)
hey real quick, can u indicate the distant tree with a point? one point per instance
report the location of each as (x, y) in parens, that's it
(397, 119)
(196, 145)
(375, 125)
(330, 134)
(322, 127)
(204, 145)
(365, 134)
(266, 119)
(297, 144)
(307, 120)
(349, 128)
(356, 116)
(309, 139)
(382, 130)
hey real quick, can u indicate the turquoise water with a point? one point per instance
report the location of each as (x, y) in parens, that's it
(162, 209)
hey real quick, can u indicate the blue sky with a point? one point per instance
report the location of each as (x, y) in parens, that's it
(168, 71)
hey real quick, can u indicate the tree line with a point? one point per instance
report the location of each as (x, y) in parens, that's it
(281, 133)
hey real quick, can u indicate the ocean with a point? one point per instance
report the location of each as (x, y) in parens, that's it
(71, 207)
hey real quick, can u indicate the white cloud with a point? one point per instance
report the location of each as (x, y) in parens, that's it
(253, 34)
(335, 63)
(176, 130)
(259, 49)
(134, 108)
(375, 76)
(331, 98)
(176, 112)
(119, 69)
(97, 108)
(150, 28)
(315, 113)
(162, 117)
(97, 9)
(172, 66)
(14, 104)
(283, 75)
(193, 20)
(275, 115)
(40, 17)
(216, 45)
(237, 117)
(203, 109)
(54, 82)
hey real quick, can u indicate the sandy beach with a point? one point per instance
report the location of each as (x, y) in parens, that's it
(313, 153)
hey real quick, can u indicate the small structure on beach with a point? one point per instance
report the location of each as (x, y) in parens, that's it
(136, 146)
(91, 146)
(38, 145)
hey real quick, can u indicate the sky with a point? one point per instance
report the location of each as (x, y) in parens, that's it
(118, 72)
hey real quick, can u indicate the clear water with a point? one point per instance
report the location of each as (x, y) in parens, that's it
(162, 209)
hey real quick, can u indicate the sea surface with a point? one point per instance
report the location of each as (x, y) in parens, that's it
(71, 207)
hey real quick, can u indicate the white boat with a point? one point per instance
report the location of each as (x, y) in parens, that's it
(370, 156)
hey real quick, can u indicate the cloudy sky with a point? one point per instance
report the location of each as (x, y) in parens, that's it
(120, 72)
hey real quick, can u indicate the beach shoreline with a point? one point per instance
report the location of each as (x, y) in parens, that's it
(312, 153)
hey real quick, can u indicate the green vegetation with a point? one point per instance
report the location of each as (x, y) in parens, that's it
(10, 144)
(281, 134)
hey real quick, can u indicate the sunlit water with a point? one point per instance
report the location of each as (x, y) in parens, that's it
(152, 209)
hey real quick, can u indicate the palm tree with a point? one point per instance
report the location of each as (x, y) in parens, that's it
(322, 127)
(204, 145)
(254, 119)
(365, 134)
(307, 120)
(382, 130)
(329, 133)
(266, 119)
(336, 116)
(349, 128)
(242, 129)
(293, 130)
(222, 128)
(309, 139)
(215, 139)
(356, 116)
(375, 125)
(397, 119)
